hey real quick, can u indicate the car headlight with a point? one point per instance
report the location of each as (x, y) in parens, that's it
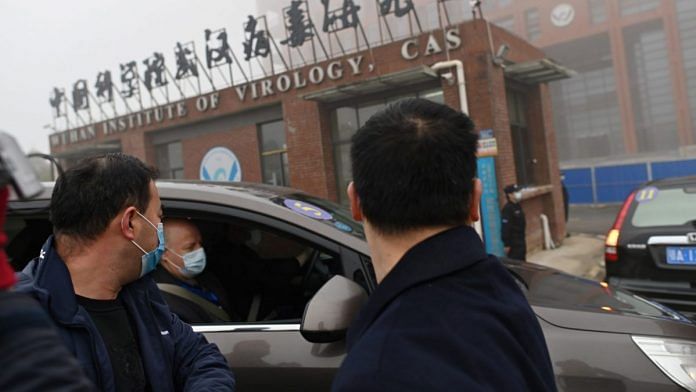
(676, 358)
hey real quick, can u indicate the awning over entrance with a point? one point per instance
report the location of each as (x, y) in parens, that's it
(373, 85)
(538, 71)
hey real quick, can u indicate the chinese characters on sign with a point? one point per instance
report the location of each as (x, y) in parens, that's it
(80, 95)
(185, 61)
(256, 42)
(298, 24)
(129, 79)
(343, 18)
(385, 7)
(105, 87)
(56, 100)
(154, 71)
(217, 49)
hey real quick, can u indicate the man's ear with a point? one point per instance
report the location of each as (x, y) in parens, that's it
(354, 202)
(126, 226)
(475, 202)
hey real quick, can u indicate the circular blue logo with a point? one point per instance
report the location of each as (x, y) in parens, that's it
(220, 164)
(307, 209)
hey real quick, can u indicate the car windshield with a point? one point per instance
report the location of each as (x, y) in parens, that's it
(665, 207)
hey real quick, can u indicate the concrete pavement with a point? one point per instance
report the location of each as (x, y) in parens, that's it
(579, 254)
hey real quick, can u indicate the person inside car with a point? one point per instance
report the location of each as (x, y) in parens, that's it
(93, 279)
(445, 315)
(192, 292)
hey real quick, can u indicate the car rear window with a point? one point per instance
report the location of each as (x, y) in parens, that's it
(664, 207)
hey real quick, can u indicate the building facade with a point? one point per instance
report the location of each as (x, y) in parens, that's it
(294, 128)
(634, 98)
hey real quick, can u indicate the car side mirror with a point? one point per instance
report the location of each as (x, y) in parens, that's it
(329, 313)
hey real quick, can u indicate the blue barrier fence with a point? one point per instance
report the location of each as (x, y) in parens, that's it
(611, 184)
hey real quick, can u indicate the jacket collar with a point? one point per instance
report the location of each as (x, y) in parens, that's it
(48, 276)
(440, 255)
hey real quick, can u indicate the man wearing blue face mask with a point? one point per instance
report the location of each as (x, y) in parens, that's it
(93, 278)
(193, 294)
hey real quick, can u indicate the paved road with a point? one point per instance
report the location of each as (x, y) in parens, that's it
(592, 219)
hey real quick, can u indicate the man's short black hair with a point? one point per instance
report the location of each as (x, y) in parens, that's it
(88, 196)
(414, 165)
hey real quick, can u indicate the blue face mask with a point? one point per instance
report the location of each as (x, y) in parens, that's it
(150, 259)
(194, 262)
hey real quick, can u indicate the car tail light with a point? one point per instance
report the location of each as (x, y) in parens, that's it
(612, 242)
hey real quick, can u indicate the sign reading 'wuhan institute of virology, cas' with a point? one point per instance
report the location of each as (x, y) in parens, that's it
(356, 65)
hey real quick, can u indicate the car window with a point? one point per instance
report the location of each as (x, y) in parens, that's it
(25, 235)
(264, 274)
(664, 207)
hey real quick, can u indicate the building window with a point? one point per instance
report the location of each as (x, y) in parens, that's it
(533, 26)
(630, 7)
(598, 11)
(507, 23)
(586, 112)
(654, 111)
(686, 19)
(274, 153)
(346, 120)
(170, 161)
(521, 141)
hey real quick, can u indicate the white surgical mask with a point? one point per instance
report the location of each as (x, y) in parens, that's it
(194, 262)
(517, 196)
(150, 259)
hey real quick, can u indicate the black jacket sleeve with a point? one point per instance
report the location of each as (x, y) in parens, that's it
(506, 224)
(32, 355)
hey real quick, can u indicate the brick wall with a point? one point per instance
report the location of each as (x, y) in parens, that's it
(243, 142)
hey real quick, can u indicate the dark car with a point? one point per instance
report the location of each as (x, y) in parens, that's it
(651, 248)
(297, 268)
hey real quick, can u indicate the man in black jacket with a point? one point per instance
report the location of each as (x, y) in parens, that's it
(514, 224)
(445, 316)
(32, 355)
(93, 279)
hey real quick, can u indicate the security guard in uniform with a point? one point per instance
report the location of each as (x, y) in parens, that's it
(513, 228)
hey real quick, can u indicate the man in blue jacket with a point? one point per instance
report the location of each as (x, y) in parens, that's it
(445, 316)
(92, 278)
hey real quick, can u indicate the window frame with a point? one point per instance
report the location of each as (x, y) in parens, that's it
(281, 153)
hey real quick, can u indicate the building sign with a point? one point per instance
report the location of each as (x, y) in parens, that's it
(487, 144)
(410, 49)
(152, 77)
(220, 164)
(144, 118)
(562, 15)
(490, 207)
(317, 74)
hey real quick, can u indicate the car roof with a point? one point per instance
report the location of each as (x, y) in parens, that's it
(673, 181)
(254, 197)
